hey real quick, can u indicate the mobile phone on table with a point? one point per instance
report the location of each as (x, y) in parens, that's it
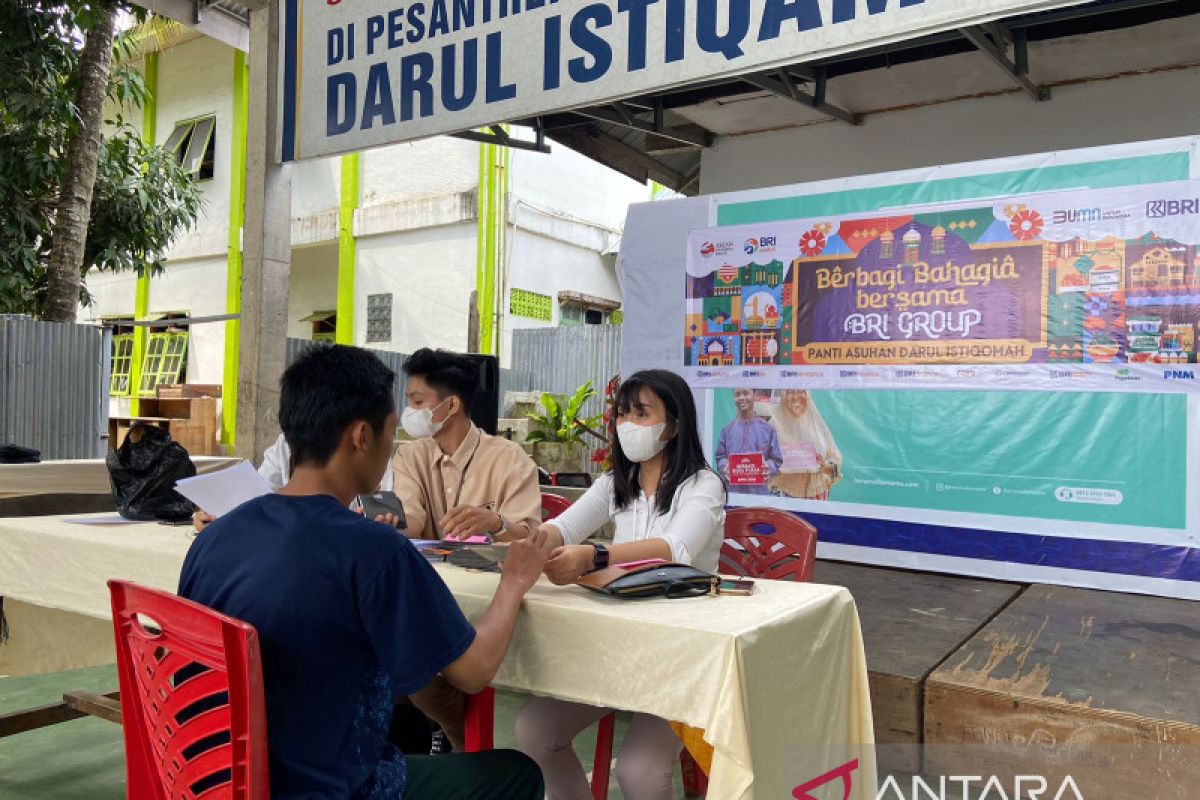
(380, 503)
(742, 586)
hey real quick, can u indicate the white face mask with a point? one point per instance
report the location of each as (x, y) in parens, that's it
(418, 422)
(641, 442)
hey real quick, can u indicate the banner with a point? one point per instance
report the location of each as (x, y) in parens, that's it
(1063, 457)
(1095, 289)
(987, 369)
(363, 73)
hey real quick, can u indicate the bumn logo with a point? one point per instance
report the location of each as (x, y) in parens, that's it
(1076, 215)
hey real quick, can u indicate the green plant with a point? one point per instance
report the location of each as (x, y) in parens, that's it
(559, 420)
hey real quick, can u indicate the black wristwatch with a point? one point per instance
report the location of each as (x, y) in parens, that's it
(600, 560)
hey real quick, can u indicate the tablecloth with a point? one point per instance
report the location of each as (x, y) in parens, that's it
(777, 680)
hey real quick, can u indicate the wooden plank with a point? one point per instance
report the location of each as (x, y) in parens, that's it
(30, 719)
(97, 705)
(1097, 685)
(911, 621)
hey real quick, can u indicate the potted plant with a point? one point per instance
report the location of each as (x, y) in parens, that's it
(557, 439)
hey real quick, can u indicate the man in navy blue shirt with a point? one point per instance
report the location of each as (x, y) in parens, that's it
(349, 614)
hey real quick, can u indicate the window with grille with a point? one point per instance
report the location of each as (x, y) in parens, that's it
(166, 358)
(570, 314)
(379, 317)
(121, 364)
(522, 303)
(193, 143)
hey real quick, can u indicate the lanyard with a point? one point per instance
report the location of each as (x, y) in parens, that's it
(463, 480)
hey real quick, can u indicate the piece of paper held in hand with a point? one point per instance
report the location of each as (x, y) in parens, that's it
(218, 493)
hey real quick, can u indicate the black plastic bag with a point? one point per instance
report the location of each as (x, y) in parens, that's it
(143, 471)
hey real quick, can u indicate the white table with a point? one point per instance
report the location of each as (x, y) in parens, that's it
(778, 680)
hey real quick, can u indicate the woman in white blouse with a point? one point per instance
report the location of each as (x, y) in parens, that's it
(665, 502)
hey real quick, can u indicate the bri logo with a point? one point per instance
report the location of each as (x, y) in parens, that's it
(1172, 208)
(1179, 375)
(765, 244)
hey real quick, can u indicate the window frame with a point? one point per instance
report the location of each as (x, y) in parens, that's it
(182, 144)
(165, 361)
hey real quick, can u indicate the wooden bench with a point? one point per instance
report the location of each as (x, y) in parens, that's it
(1099, 686)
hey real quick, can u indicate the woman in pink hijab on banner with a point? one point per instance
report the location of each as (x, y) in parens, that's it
(812, 464)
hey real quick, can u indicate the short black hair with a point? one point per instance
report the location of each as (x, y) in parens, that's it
(329, 387)
(446, 373)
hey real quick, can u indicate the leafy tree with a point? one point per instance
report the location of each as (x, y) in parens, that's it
(60, 65)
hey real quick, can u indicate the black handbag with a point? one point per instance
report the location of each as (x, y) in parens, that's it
(662, 579)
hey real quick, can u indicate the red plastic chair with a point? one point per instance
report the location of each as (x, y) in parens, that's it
(768, 543)
(759, 543)
(194, 713)
(553, 505)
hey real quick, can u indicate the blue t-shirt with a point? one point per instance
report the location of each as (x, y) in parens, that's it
(349, 615)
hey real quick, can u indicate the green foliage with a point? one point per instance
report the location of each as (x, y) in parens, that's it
(142, 198)
(559, 420)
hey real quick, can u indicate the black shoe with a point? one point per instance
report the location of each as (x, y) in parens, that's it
(441, 743)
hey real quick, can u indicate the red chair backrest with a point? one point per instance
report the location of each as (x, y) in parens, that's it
(768, 543)
(553, 505)
(193, 709)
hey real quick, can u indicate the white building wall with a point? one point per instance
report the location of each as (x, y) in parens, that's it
(416, 228)
(565, 180)
(418, 169)
(430, 274)
(1126, 109)
(313, 286)
(316, 186)
(195, 79)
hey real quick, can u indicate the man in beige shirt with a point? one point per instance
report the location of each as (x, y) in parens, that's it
(456, 481)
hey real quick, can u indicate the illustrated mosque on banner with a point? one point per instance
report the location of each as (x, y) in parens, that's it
(1111, 300)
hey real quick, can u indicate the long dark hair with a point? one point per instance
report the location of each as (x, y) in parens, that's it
(683, 455)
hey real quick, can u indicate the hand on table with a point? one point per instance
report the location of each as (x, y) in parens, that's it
(568, 563)
(462, 522)
(525, 561)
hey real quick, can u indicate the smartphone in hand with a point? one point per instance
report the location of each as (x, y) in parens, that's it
(381, 503)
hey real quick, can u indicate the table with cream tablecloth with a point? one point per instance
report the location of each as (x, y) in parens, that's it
(777, 680)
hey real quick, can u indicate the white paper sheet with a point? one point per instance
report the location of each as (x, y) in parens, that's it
(219, 493)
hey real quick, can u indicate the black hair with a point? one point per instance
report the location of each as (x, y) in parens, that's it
(683, 456)
(446, 373)
(328, 388)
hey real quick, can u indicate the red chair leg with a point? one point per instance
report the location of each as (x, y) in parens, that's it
(695, 782)
(602, 763)
(480, 721)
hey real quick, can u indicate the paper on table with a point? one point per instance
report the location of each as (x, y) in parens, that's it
(220, 492)
(101, 521)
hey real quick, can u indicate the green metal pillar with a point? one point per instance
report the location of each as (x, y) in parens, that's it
(233, 272)
(347, 249)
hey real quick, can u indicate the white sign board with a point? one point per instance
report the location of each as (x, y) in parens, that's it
(364, 73)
